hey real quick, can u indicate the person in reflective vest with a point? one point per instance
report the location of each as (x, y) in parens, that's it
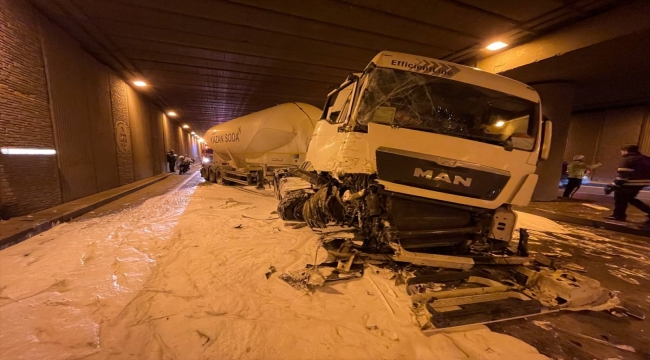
(576, 171)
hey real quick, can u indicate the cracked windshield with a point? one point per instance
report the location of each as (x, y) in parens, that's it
(422, 102)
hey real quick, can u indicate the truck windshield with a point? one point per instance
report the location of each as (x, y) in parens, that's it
(434, 104)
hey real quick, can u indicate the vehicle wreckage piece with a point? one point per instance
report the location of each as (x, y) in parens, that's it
(450, 299)
(467, 284)
(311, 277)
(482, 309)
(567, 289)
(441, 261)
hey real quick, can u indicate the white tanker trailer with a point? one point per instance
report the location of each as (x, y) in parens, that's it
(249, 148)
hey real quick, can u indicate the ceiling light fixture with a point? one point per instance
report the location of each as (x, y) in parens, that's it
(193, 133)
(139, 83)
(186, 126)
(171, 113)
(496, 45)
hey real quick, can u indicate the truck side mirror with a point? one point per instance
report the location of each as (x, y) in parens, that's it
(547, 135)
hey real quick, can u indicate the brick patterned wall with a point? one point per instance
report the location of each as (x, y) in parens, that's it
(120, 107)
(27, 183)
(32, 183)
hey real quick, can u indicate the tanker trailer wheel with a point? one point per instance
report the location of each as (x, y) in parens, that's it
(212, 177)
(290, 207)
(219, 178)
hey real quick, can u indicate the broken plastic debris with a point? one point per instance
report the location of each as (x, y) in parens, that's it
(270, 272)
(543, 324)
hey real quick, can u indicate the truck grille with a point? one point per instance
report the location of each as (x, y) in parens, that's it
(440, 174)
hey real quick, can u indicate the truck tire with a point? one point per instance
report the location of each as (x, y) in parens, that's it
(219, 177)
(212, 177)
(290, 207)
(276, 189)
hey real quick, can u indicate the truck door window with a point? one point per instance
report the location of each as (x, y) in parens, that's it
(344, 112)
(336, 103)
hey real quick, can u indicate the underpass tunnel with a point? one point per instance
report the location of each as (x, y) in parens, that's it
(112, 86)
(94, 94)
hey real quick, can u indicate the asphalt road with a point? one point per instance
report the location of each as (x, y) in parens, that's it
(597, 189)
(604, 255)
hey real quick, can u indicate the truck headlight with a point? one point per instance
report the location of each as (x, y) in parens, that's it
(206, 160)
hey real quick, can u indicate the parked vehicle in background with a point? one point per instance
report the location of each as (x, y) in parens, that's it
(248, 149)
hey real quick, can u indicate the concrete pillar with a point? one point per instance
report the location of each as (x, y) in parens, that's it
(557, 104)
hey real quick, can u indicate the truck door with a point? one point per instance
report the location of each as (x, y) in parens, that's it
(327, 138)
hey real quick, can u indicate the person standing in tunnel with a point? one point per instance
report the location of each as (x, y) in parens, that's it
(576, 171)
(171, 160)
(633, 176)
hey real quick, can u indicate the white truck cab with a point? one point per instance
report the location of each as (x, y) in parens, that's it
(425, 152)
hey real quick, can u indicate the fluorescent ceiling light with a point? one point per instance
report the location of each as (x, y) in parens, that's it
(139, 83)
(500, 123)
(186, 126)
(193, 133)
(171, 113)
(496, 45)
(26, 151)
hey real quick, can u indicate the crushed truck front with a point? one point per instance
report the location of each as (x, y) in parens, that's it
(435, 152)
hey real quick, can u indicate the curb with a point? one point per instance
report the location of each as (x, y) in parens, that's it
(598, 224)
(40, 226)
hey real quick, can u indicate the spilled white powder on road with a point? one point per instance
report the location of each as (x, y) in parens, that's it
(151, 283)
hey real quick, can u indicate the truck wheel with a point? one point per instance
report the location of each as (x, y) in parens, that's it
(290, 207)
(276, 189)
(212, 177)
(219, 178)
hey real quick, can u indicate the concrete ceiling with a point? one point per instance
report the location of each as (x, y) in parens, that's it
(212, 61)
(611, 73)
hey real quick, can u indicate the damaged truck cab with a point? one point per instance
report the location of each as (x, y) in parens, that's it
(421, 154)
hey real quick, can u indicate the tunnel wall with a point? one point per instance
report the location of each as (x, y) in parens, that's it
(81, 115)
(24, 115)
(598, 135)
(141, 141)
(54, 95)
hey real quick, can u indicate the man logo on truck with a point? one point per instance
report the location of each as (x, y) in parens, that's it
(443, 177)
